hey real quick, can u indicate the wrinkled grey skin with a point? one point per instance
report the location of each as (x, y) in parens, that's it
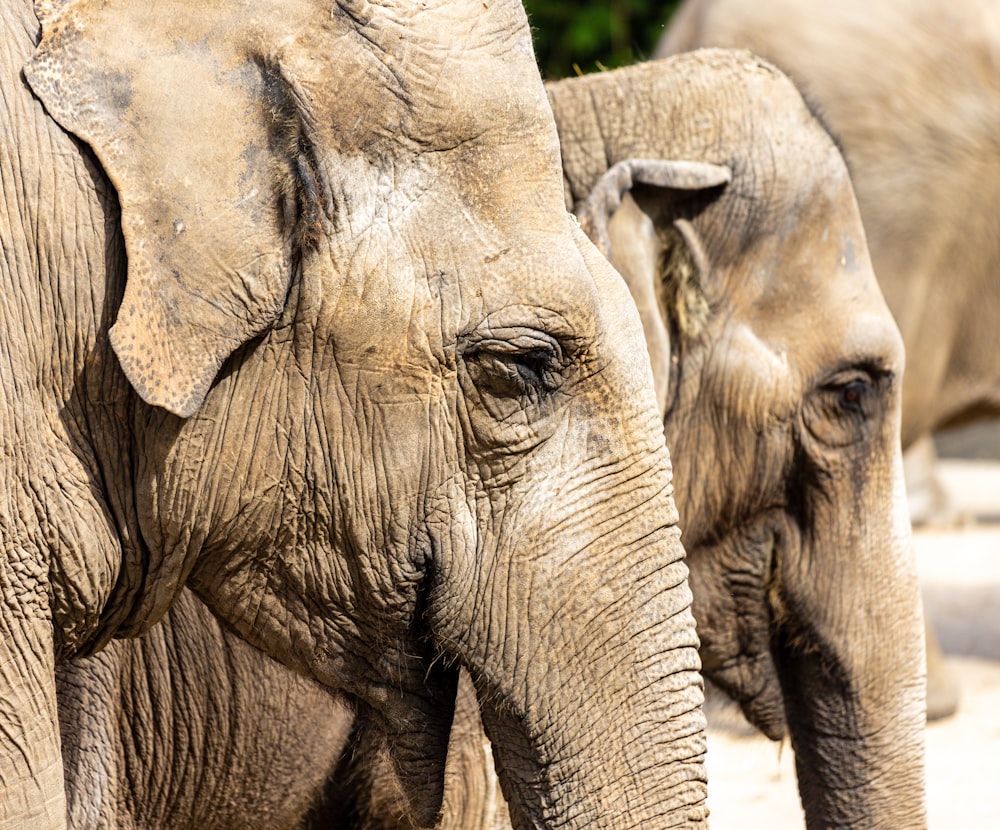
(910, 89)
(362, 385)
(190, 727)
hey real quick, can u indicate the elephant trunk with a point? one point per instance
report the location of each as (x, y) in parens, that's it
(31, 775)
(849, 650)
(857, 768)
(603, 727)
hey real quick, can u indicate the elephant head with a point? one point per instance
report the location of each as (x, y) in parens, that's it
(728, 209)
(368, 389)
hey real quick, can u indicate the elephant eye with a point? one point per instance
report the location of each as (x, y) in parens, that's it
(525, 366)
(850, 405)
(851, 396)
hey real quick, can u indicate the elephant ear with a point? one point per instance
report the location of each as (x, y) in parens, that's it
(180, 128)
(656, 250)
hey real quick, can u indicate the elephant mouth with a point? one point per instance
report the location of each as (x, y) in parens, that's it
(752, 682)
(732, 583)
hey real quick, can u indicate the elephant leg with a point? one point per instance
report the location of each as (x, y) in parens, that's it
(929, 502)
(942, 686)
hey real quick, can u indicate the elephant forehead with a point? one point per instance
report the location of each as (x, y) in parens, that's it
(414, 78)
(813, 286)
(414, 276)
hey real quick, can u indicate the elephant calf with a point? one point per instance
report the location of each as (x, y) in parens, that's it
(728, 210)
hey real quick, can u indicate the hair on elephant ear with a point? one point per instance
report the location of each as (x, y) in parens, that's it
(634, 215)
(682, 271)
(303, 190)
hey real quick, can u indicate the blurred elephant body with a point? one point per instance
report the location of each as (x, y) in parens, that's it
(290, 322)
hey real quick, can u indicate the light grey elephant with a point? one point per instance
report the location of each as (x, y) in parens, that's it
(739, 232)
(910, 89)
(295, 315)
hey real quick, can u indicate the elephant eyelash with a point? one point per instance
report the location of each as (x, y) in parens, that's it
(515, 374)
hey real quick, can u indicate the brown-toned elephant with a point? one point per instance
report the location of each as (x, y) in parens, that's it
(741, 242)
(294, 314)
(910, 89)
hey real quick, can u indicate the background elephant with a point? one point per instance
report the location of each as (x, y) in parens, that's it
(910, 89)
(794, 521)
(362, 385)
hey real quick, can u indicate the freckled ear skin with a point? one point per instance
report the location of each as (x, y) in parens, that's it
(208, 261)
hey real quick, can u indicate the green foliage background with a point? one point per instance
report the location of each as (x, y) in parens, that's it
(585, 35)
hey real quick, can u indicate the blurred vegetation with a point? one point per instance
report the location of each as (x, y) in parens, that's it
(581, 36)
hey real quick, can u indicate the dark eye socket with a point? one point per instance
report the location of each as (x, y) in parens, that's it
(514, 374)
(522, 367)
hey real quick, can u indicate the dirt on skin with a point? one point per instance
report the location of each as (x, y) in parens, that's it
(752, 781)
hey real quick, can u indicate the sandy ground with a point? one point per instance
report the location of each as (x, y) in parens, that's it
(752, 781)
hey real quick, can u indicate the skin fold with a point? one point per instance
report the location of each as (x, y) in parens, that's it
(296, 317)
(910, 90)
(181, 727)
(784, 433)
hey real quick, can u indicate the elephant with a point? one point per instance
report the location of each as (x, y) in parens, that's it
(739, 232)
(909, 88)
(189, 726)
(296, 317)
(932, 66)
